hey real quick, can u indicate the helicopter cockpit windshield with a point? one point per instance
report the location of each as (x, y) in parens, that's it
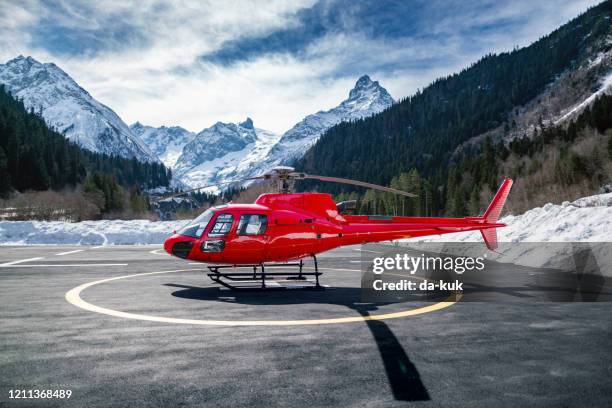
(196, 227)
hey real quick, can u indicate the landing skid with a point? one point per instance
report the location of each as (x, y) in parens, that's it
(261, 279)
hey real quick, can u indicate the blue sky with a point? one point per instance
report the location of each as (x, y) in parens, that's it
(192, 63)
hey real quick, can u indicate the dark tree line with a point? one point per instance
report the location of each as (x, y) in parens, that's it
(422, 131)
(34, 157)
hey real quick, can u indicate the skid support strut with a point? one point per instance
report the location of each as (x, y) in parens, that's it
(261, 278)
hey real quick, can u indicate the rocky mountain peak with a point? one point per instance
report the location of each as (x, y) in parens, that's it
(247, 124)
(27, 69)
(21, 60)
(137, 125)
(364, 81)
(366, 88)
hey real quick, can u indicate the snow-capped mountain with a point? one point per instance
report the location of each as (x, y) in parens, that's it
(365, 99)
(70, 109)
(166, 143)
(228, 151)
(222, 152)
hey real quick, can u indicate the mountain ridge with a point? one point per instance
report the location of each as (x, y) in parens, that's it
(216, 154)
(366, 98)
(166, 142)
(222, 152)
(230, 151)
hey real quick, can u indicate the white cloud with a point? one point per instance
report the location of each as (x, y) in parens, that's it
(163, 81)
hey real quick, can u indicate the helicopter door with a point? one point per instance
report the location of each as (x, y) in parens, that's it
(292, 236)
(251, 239)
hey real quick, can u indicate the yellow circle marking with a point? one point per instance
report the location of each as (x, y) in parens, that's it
(73, 296)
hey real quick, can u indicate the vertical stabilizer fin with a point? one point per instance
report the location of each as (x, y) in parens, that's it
(493, 212)
(495, 208)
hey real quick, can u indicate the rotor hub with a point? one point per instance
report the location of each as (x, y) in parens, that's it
(285, 177)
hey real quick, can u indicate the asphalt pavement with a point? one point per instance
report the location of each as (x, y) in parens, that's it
(162, 334)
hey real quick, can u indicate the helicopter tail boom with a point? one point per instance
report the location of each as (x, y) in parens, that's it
(373, 228)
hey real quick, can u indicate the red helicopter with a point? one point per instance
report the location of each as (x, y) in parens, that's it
(287, 226)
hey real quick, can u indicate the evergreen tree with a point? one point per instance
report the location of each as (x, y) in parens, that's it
(5, 177)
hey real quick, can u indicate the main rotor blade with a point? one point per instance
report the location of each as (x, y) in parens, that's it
(359, 183)
(208, 186)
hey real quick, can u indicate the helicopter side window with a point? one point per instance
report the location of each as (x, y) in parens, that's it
(252, 224)
(222, 225)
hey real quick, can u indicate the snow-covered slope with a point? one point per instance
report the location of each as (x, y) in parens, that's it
(70, 109)
(166, 143)
(225, 151)
(365, 99)
(573, 112)
(588, 219)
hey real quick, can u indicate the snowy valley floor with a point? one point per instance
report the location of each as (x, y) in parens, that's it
(104, 232)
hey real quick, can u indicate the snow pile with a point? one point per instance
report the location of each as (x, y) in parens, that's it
(601, 200)
(105, 232)
(587, 219)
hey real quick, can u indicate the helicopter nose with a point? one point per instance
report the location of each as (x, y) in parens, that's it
(168, 244)
(179, 245)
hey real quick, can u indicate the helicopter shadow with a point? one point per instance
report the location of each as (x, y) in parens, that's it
(403, 376)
